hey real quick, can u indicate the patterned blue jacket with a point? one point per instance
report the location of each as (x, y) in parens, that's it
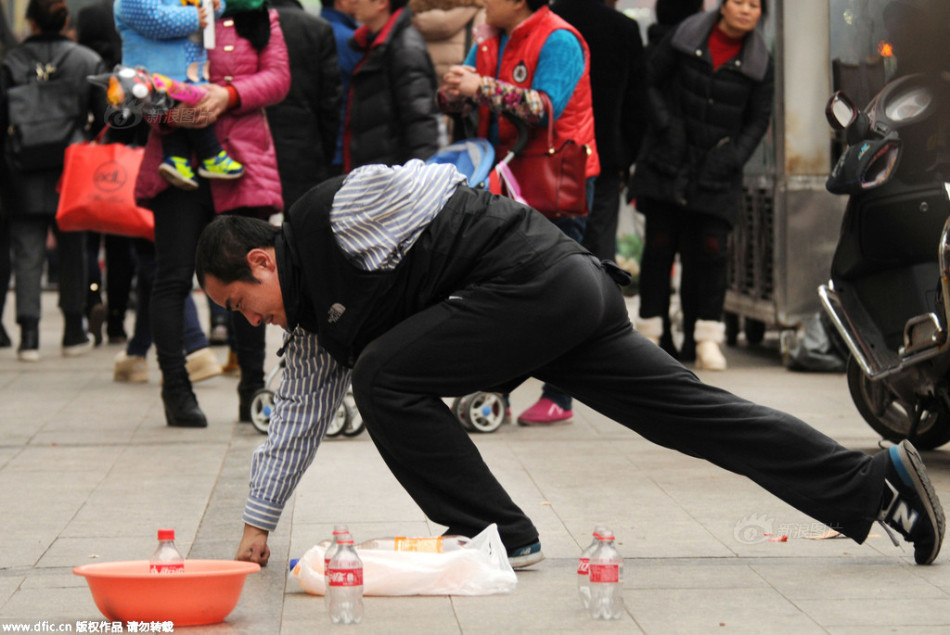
(163, 36)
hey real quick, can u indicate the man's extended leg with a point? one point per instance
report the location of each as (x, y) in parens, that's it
(623, 376)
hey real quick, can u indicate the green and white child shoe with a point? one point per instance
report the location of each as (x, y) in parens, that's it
(178, 172)
(221, 166)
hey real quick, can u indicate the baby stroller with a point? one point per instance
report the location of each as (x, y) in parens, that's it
(475, 158)
(347, 420)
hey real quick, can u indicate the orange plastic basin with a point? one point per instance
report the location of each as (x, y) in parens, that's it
(205, 593)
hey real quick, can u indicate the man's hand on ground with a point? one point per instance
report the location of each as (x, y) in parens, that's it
(253, 547)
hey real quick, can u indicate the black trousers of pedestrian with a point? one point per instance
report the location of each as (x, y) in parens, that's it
(600, 235)
(179, 218)
(702, 243)
(569, 326)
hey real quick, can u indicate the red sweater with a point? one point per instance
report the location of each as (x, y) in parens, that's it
(723, 48)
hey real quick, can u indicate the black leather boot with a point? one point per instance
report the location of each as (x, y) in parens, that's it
(181, 408)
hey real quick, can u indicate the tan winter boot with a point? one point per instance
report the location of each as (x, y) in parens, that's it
(651, 328)
(202, 364)
(709, 335)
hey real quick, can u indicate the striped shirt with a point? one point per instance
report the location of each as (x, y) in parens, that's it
(377, 215)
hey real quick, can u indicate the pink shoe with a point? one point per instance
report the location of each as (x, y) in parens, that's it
(545, 412)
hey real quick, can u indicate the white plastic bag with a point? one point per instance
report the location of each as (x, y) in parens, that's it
(479, 568)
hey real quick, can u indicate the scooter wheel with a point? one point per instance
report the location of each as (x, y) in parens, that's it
(339, 421)
(884, 411)
(480, 411)
(262, 406)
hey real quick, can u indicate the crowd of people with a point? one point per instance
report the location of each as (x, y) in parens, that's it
(316, 96)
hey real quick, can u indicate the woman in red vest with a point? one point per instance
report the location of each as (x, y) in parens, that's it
(523, 51)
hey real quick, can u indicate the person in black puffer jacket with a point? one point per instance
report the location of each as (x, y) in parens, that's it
(391, 113)
(710, 88)
(306, 124)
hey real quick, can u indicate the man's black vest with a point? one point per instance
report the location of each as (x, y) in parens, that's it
(477, 236)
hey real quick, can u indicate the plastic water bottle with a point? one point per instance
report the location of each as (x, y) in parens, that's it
(340, 532)
(583, 567)
(346, 585)
(425, 544)
(167, 558)
(606, 579)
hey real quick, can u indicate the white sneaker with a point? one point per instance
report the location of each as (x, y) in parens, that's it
(202, 364)
(131, 369)
(28, 355)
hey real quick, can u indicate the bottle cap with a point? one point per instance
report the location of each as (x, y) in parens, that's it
(606, 534)
(166, 534)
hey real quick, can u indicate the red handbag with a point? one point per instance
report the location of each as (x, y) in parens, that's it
(97, 190)
(553, 181)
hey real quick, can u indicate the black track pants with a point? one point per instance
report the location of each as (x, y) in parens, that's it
(569, 327)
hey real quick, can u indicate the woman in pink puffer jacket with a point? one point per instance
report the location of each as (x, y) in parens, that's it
(249, 70)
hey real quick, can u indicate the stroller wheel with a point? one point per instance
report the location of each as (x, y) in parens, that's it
(339, 421)
(480, 411)
(262, 406)
(354, 426)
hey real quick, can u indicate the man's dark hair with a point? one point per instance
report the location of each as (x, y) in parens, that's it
(50, 15)
(396, 5)
(223, 246)
(534, 5)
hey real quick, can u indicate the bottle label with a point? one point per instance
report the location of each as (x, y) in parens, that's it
(166, 567)
(428, 544)
(583, 566)
(605, 573)
(346, 577)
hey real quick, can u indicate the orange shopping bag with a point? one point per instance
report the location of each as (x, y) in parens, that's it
(97, 190)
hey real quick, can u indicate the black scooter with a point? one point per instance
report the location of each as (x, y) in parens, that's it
(888, 293)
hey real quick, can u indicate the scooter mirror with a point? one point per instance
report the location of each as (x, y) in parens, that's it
(840, 112)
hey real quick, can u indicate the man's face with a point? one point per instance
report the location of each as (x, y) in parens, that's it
(346, 6)
(260, 302)
(368, 11)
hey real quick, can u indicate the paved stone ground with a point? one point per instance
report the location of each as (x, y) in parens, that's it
(89, 471)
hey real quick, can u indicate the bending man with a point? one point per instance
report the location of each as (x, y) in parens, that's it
(389, 276)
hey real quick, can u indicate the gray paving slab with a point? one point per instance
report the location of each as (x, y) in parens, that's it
(89, 471)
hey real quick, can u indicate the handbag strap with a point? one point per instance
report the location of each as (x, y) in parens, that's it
(99, 137)
(549, 110)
